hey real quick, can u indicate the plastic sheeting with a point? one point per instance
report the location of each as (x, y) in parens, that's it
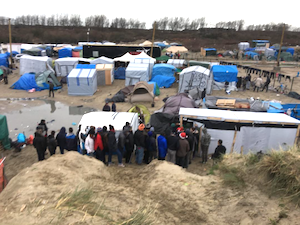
(193, 77)
(223, 73)
(177, 62)
(26, 82)
(4, 60)
(4, 133)
(119, 73)
(102, 60)
(65, 52)
(136, 72)
(82, 82)
(34, 64)
(163, 81)
(243, 45)
(164, 70)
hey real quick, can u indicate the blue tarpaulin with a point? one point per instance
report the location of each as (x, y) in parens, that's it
(251, 54)
(119, 73)
(295, 109)
(27, 82)
(250, 49)
(274, 107)
(4, 60)
(224, 73)
(290, 50)
(86, 66)
(163, 81)
(164, 70)
(260, 41)
(65, 52)
(210, 49)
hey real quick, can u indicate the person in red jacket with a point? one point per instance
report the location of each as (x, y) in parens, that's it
(98, 145)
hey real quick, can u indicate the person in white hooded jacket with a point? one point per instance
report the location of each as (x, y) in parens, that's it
(89, 144)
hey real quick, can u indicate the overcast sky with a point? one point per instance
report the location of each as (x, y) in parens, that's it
(252, 12)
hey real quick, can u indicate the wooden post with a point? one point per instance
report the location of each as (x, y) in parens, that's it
(292, 83)
(297, 135)
(233, 142)
(153, 35)
(278, 57)
(199, 142)
(242, 150)
(181, 121)
(9, 33)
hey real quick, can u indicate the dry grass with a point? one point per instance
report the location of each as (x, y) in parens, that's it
(141, 216)
(232, 176)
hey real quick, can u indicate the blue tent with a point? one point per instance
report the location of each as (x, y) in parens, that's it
(251, 54)
(119, 73)
(65, 52)
(250, 49)
(224, 73)
(164, 70)
(4, 60)
(78, 48)
(86, 66)
(290, 50)
(163, 81)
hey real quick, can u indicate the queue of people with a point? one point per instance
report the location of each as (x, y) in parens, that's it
(178, 147)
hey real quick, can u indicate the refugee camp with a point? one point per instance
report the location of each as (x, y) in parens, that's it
(144, 117)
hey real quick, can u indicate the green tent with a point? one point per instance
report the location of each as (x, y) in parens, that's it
(286, 56)
(141, 109)
(4, 134)
(44, 77)
(163, 58)
(198, 63)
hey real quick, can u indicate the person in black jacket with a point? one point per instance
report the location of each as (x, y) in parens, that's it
(139, 140)
(52, 143)
(106, 107)
(266, 85)
(219, 151)
(129, 145)
(40, 144)
(151, 147)
(112, 146)
(61, 139)
(42, 125)
(172, 141)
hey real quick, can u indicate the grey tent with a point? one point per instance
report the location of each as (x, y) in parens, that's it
(174, 103)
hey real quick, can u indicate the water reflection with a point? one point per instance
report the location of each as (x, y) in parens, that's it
(52, 105)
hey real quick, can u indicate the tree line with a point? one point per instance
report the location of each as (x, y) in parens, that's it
(166, 23)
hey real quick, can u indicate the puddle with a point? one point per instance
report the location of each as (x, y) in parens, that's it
(55, 113)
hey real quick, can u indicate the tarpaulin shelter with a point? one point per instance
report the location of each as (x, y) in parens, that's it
(82, 82)
(156, 90)
(37, 81)
(4, 132)
(177, 62)
(291, 50)
(194, 77)
(162, 122)
(65, 52)
(104, 74)
(33, 51)
(209, 51)
(101, 119)
(142, 111)
(163, 69)
(136, 72)
(164, 58)
(119, 73)
(250, 54)
(163, 81)
(35, 64)
(220, 74)
(64, 66)
(142, 92)
(127, 57)
(4, 60)
(244, 132)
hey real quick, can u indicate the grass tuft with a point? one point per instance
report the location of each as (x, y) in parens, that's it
(232, 176)
(212, 169)
(141, 216)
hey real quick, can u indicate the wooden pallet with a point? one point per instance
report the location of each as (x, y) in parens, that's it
(228, 103)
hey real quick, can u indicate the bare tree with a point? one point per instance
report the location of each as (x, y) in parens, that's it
(75, 21)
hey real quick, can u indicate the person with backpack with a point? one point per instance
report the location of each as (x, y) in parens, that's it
(113, 148)
(139, 140)
(52, 143)
(98, 145)
(129, 144)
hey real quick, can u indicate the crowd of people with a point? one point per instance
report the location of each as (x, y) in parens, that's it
(179, 146)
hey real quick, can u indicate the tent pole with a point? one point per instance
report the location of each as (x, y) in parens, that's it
(9, 33)
(181, 121)
(153, 35)
(233, 142)
(242, 150)
(282, 35)
(297, 135)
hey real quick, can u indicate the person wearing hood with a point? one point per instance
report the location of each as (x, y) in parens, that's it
(71, 140)
(40, 143)
(52, 143)
(139, 140)
(104, 134)
(121, 140)
(98, 145)
(129, 144)
(205, 142)
(162, 147)
(151, 147)
(112, 146)
(61, 140)
(191, 140)
(183, 149)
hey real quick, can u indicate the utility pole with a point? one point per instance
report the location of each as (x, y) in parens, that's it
(153, 35)
(278, 57)
(88, 35)
(9, 33)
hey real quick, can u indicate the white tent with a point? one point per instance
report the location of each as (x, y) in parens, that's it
(143, 58)
(175, 49)
(127, 57)
(177, 62)
(116, 119)
(136, 72)
(243, 45)
(35, 64)
(102, 60)
(82, 82)
(63, 66)
(193, 77)
(244, 132)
